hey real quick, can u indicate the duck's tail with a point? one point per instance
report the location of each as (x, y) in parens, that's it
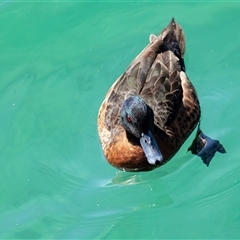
(174, 39)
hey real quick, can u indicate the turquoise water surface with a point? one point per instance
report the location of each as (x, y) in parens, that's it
(57, 61)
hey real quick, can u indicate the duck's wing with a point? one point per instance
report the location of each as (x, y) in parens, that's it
(154, 75)
(162, 89)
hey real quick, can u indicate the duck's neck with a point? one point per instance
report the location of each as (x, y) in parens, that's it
(132, 139)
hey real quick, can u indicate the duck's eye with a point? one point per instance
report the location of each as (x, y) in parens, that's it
(129, 119)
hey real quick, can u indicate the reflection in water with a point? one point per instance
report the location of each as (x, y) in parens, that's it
(129, 178)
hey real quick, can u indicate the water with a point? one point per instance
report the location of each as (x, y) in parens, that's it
(58, 59)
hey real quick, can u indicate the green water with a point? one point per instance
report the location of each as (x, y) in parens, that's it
(57, 61)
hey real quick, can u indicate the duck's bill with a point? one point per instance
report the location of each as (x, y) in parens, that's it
(151, 149)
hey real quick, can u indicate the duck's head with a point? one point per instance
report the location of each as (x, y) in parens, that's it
(138, 120)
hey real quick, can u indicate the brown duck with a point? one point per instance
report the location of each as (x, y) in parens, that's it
(152, 108)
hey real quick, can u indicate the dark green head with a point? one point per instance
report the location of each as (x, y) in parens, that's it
(136, 116)
(138, 120)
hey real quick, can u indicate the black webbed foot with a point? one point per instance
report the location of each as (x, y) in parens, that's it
(205, 147)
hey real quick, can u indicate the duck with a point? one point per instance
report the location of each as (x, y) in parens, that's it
(152, 108)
